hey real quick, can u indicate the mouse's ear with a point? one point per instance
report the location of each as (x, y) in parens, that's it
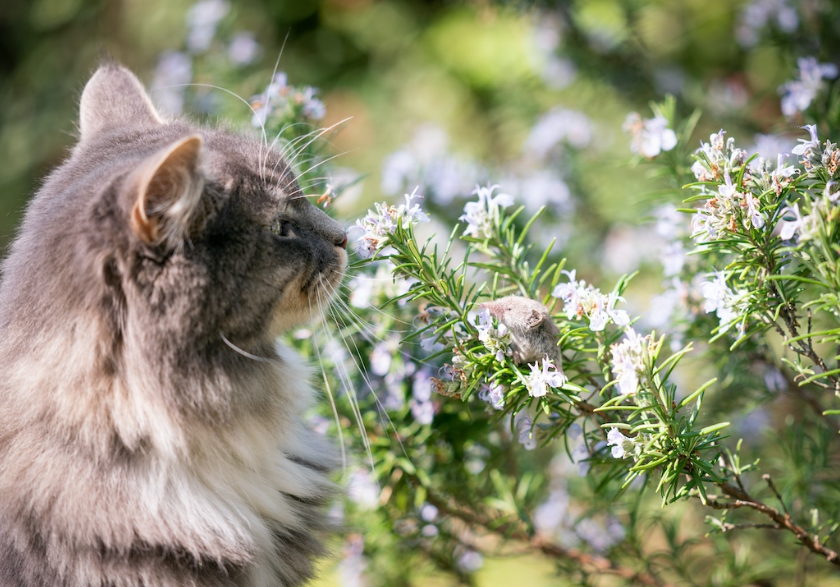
(112, 98)
(534, 320)
(167, 189)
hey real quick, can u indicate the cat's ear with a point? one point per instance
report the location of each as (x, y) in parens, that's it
(114, 97)
(167, 189)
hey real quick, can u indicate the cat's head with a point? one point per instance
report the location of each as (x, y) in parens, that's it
(173, 234)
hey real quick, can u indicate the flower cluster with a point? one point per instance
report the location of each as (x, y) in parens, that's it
(381, 222)
(496, 339)
(733, 204)
(727, 304)
(798, 94)
(542, 377)
(482, 215)
(287, 101)
(628, 361)
(651, 136)
(581, 299)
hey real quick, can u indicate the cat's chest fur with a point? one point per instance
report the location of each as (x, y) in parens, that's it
(151, 431)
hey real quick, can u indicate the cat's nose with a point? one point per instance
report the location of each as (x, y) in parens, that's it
(343, 243)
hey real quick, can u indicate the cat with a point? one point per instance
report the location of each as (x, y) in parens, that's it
(150, 426)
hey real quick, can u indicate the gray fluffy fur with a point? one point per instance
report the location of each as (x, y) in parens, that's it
(140, 444)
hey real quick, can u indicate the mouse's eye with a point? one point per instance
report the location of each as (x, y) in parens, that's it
(282, 227)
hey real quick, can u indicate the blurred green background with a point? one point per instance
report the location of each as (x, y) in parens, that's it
(481, 71)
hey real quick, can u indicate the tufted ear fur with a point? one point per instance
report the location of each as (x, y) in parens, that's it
(114, 97)
(168, 188)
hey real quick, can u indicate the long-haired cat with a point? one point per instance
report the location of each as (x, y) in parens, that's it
(150, 428)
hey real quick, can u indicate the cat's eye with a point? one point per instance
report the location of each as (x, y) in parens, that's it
(282, 227)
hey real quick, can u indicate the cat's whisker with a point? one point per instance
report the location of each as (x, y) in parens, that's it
(333, 405)
(370, 335)
(262, 120)
(380, 407)
(313, 136)
(375, 309)
(344, 377)
(291, 156)
(327, 160)
(243, 352)
(283, 129)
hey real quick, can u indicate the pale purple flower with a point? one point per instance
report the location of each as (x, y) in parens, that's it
(380, 358)
(428, 512)
(362, 489)
(421, 388)
(753, 212)
(313, 108)
(798, 94)
(468, 560)
(172, 73)
(481, 216)
(429, 530)
(202, 20)
(243, 48)
(493, 394)
(557, 125)
(673, 258)
(649, 136)
(423, 412)
(758, 14)
(524, 427)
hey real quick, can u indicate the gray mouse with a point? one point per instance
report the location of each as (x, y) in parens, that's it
(533, 333)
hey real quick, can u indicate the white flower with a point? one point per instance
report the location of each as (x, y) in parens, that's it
(721, 300)
(495, 339)
(791, 226)
(798, 94)
(649, 136)
(622, 446)
(581, 300)
(628, 361)
(481, 216)
(813, 143)
(755, 215)
(381, 222)
(542, 377)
